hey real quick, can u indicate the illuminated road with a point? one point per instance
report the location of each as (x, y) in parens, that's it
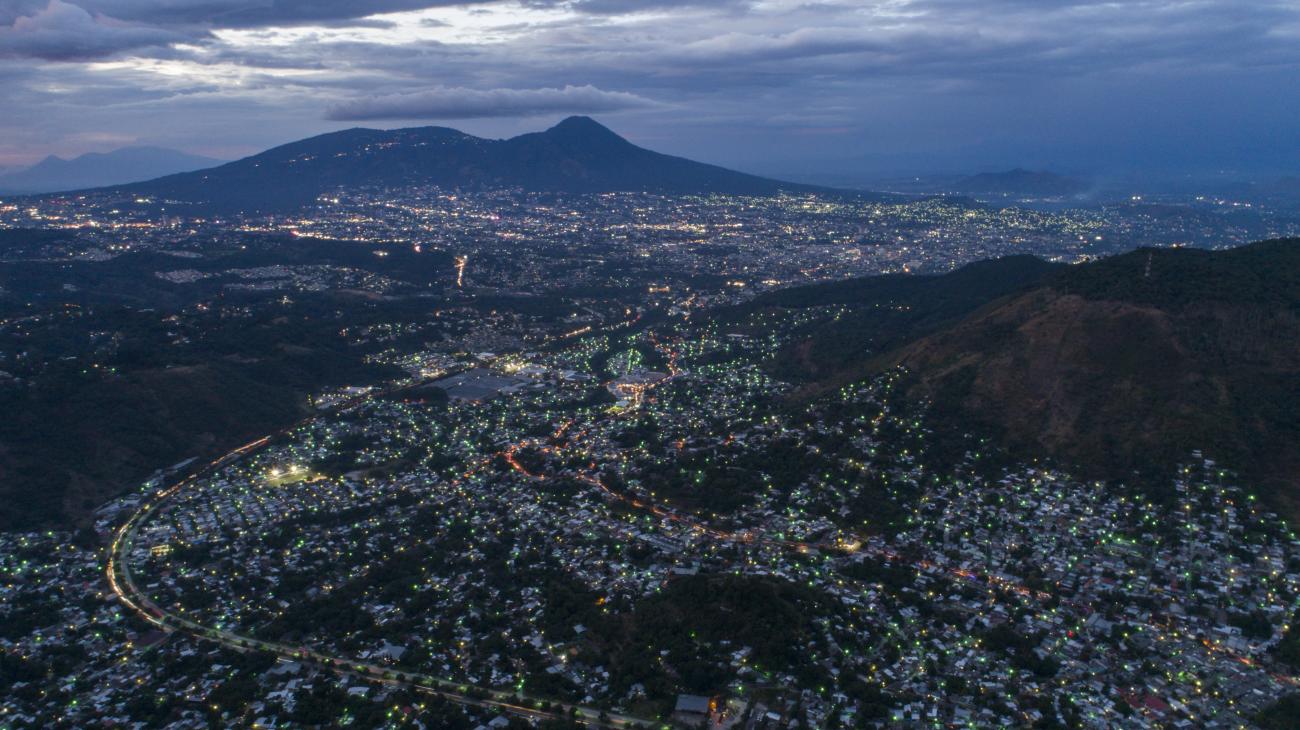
(122, 583)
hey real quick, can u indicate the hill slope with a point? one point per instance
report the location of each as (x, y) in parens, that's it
(126, 165)
(577, 155)
(1130, 363)
(882, 312)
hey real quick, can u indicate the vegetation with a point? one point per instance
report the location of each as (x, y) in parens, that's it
(121, 372)
(1119, 367)
(680, 639)
(871, 315)
(1281, 715)
(1265, 274)
(1287, 650)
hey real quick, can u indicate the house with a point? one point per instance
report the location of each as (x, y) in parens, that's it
(692, 709)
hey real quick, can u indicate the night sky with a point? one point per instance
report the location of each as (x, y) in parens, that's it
(799, 87)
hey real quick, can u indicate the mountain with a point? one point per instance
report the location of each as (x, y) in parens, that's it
(1118, 368)
(1018, 183)
(99, 169)
(886, 311)
(1283, 193)
(577, 155)
(1289, 184)
(1124, 366)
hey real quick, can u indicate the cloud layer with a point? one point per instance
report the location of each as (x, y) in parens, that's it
(745, 82)
(229, 13)
(61, 31)
(461, 103)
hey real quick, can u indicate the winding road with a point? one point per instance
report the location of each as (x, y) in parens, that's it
(122, 583)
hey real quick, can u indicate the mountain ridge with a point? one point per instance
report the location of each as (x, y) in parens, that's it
(1124, 366)
(1118, 368)
(1019, 182)
(578, 155)
(98, 169)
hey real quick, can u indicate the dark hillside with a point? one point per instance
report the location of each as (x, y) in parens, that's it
(1128, 364)
(76, 434)
(882, 312)
(1119, 367)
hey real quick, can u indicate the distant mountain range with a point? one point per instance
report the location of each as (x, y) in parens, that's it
(100, 169)
(1119, 367)
(1017, 184)
(576, 155)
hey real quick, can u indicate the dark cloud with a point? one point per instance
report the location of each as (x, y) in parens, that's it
(627, 7)
(61, 31)
(12, 10)
(453, 103)
(252, 13)
(265, 13)
(745, 78)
